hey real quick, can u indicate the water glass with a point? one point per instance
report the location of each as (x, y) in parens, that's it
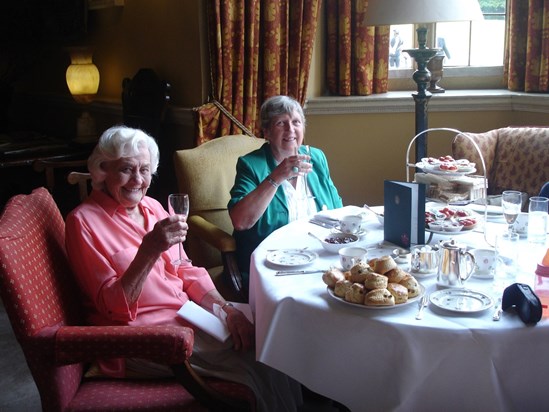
(507, 251)
(537, 219)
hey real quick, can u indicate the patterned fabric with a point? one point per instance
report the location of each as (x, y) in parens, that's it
(357, 55)
(258, 49)
(516, 157)
(526, 65)
(463, 148)
(42, 302)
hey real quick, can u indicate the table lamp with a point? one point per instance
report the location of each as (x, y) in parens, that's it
(83, 82)
(387, 12)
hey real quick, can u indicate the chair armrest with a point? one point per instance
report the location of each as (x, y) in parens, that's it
(211, 234)
(162, 344)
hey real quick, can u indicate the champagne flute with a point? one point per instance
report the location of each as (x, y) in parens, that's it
(511, 201)
(178, 204)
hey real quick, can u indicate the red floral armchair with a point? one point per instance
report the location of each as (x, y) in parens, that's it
(42, 302)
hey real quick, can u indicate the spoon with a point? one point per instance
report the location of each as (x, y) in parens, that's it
(372, 210)
(317, 238)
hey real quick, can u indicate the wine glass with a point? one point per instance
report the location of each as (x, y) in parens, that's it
(178, 204)
(511, 201)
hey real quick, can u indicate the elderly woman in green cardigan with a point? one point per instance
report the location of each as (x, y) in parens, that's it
(280, 182)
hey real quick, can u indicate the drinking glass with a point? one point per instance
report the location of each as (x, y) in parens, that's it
(178, 204)
(537, 219)
(507, 252)
(511, 202)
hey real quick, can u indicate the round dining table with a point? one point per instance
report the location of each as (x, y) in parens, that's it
(384, 359)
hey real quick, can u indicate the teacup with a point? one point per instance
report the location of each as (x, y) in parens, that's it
(521, 224)
(351, 224)
(485, 262)
(350, 256)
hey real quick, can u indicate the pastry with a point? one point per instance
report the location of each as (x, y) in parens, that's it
(375, 281)
(355, 294)
(384, 264)
(379, 297)
(359, 272)
(398, 291)
(410, 283)
(341, 287)
(330, 277)
(396, 275)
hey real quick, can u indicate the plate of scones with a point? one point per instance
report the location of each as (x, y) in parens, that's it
(377, 284)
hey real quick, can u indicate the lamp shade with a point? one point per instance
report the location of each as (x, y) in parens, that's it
(82, 76)
(387, 12)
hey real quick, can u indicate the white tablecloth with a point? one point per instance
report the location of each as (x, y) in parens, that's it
(386, 360)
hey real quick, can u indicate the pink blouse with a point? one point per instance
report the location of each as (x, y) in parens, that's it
(101, 243)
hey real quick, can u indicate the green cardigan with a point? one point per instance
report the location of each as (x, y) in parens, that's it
(251, 170)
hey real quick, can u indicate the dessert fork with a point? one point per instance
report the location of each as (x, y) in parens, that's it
(423, 302)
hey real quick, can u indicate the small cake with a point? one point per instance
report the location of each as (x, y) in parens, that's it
(379, 297)
(355, 294)
(330, 277)
(396, 275)
(398, 291)
(359, 272)
(410, 283)
(384, 264)
(341, 287)
(375, 281)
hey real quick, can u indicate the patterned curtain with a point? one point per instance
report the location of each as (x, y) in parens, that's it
(526, 66)
(258, 48)
(357, 56)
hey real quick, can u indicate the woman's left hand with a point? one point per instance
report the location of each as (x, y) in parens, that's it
(242, 331)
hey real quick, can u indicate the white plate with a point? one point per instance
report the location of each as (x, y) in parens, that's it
(461, 300)
(434, 169)
(291, 257)
(408, 302)
(360, 233)
(446, 233)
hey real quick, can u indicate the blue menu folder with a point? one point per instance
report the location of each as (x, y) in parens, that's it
(404, 210)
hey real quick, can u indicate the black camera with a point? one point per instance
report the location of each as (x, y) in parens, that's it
(525, 302)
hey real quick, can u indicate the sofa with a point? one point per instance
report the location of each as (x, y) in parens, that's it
(516, 158)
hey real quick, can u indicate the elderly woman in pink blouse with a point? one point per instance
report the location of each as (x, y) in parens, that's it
(121, 244)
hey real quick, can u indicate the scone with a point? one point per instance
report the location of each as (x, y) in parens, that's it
(384, 264)
(330, 277)
(398, 291)
(410, 283)
(359, 272)
(355, 294)
(341, 287)
(375, 281)
(379, 297)
(396, 275)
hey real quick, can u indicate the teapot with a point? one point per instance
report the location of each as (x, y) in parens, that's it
(453, 259)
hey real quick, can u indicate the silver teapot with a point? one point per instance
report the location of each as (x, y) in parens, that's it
(456, 265)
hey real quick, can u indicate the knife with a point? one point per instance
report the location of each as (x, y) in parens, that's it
(297, 272)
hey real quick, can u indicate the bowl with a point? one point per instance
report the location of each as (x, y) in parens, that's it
(333, 242)
(451, 227)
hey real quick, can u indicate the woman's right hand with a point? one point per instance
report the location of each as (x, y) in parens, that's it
(166, 233)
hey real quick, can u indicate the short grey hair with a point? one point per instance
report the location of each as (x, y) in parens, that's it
(118, 142)
(277, 105)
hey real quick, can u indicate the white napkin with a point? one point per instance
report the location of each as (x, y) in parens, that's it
(334, 215)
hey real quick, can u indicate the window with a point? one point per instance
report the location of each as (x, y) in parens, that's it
(466, 44)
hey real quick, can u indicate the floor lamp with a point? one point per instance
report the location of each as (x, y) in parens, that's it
(387, 12)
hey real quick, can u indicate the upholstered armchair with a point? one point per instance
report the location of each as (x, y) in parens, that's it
(43, 304)
(516, 157)
(207, 174)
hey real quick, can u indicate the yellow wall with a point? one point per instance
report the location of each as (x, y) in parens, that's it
(365, 149)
